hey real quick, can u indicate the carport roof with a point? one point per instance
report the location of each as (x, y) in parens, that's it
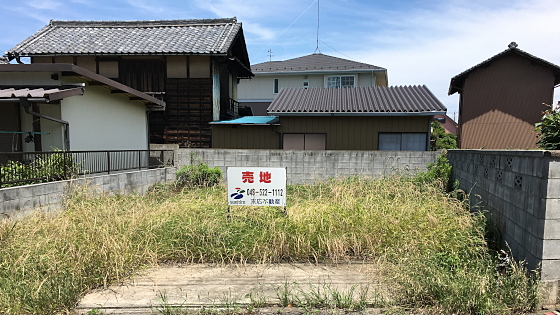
(70, 70)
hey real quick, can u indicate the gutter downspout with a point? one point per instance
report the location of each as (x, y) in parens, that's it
(25, 103)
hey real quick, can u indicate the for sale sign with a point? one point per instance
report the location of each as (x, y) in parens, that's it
(256, 186)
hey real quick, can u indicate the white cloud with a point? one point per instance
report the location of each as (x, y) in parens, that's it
(430, 47)
(44, 4)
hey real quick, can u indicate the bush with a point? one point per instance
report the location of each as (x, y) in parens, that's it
(438, 173)
(441, 139)
(549, 129)
(45, 168)
(198, 176)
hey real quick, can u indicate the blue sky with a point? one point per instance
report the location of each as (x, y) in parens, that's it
(419, 42)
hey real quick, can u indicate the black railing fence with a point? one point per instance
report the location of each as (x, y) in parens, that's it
(22, 168)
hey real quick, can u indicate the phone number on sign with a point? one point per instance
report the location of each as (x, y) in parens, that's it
(265, 192)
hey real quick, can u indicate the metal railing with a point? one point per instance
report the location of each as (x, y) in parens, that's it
(22, 168)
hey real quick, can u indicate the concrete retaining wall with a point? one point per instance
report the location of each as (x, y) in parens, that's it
(311, 166)
(521, 189)
(18, 201)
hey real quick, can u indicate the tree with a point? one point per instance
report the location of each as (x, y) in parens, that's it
(549, 129)
(440, 139)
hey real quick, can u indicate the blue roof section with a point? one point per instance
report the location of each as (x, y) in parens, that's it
(249, 120)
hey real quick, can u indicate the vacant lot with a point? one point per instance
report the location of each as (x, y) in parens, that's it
(433, 249)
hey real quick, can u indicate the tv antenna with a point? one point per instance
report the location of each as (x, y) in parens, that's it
(270, 54)
(317, 50)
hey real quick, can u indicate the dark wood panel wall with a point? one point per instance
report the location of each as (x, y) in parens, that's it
(188, 112)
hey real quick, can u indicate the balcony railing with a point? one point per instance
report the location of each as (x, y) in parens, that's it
(22, 168)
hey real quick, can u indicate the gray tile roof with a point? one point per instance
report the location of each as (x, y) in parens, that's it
(205, 36)
(366, 101)
(457, 81)
(313, 62)
(3, 60)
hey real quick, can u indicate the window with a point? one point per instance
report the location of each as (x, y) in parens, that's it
(403, 141)
(275, 86)
(305, 84)
(336, 81)
(305, 141)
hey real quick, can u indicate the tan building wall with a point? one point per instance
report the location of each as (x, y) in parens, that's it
(261, 86)
(500, 104)
(342, 133)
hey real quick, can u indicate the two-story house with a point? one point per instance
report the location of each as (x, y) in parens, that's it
(311, 71)
(192, 65)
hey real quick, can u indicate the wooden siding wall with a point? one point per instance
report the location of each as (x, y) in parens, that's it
(186, 118)
(245, 137)
(353, 132)
(501, 103)
(343, 133)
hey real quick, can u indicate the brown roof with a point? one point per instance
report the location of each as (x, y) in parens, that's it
(53, 93)
(67, 69)
(457, 81)
(313, 62)
(363, 101)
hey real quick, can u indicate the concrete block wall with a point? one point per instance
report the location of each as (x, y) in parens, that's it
(521, 189)
(311, 166)
(16, 202)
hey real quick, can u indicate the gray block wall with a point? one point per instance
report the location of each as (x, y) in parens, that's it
(16, 202)
(521, 189)
(311, 166)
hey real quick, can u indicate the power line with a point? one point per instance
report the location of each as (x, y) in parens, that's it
(267, 46)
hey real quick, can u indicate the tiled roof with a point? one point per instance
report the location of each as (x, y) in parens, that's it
(49, 93)
(457, 81)
(396, 100)
(3, 60)
(205, 36)
(313, 62)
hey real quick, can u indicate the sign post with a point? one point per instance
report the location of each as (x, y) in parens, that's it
(256, 186)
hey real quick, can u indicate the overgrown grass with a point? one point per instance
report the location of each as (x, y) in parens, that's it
(435, 248)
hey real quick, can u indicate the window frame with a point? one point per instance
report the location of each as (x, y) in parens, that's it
(275, 85)
(425, 145)
(340, 79)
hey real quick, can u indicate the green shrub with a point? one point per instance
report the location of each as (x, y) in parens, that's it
(198, 176)
(441, 139)
(549, 129)
(438, 173)
(45, 168)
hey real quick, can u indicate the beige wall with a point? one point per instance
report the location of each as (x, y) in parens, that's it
(199, 67)
(87, 62)
(27, 78)
(176, 67)
(260, 87)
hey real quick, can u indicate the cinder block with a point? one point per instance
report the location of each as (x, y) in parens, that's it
(552, 210)
(553, 188)
(552, 229)
(550, 269)
(551, 249)
(554, 168)
(11, 193)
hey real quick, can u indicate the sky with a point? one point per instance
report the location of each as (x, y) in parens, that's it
(419, 42)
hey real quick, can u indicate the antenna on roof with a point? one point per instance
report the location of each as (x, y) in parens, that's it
(270, 54)
(317, 50)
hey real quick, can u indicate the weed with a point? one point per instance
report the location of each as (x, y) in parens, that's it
(198, 176)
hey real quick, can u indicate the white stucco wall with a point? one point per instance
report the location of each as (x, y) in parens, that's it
(100, 120)
(55, 136)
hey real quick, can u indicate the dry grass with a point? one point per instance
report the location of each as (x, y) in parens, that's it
(48, 262)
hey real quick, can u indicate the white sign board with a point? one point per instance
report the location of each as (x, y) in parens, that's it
(256, 186)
